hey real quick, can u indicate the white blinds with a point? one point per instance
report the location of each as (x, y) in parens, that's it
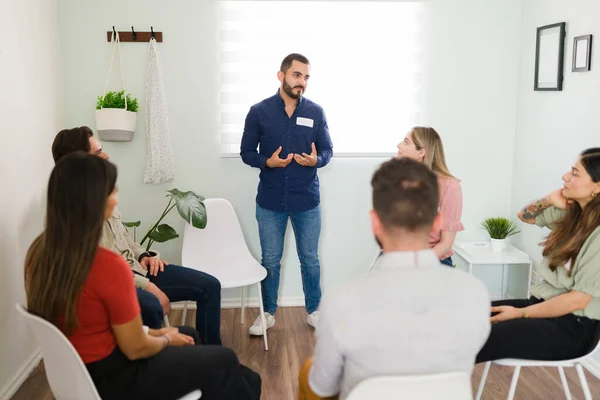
(366, 60)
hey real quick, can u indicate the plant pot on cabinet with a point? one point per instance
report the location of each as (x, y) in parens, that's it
(115, 124)
(498, 244)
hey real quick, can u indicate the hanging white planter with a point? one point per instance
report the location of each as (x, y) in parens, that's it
(115, 124)
(498, 244)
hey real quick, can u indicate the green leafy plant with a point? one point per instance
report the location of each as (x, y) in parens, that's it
(133, 225)
(189, 205)
(117, 100)
(499, 228)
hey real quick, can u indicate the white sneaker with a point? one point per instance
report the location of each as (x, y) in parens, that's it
(257, 328)
(313, 319)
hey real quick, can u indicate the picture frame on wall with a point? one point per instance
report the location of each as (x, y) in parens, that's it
(549, 57)
(582, 53)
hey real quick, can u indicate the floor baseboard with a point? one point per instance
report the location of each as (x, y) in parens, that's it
(21, 375)
(251, 302)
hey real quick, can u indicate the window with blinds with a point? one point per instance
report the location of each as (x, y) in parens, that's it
(366, 66)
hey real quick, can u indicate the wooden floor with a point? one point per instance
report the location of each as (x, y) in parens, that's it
(291, 341)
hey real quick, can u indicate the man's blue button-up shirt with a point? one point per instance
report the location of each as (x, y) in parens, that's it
(294, 188)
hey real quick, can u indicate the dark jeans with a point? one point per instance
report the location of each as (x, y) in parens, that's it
(174, 372)
(152, 314)
(555, 339)
(179, 284)
(447, 261)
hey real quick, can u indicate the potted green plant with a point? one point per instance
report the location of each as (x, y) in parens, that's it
(499, 229)
(116, 116)
(189, 205)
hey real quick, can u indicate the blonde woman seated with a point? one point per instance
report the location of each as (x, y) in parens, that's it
(559, 321)
(88, 292)
(425, 145)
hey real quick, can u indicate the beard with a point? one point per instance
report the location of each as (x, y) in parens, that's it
(290, 90)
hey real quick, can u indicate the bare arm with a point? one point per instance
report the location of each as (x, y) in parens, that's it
(532, 210)
(552, 199)
(445, 244)
(560, 305)
(134, 343)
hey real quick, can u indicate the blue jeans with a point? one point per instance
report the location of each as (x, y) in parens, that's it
(307, 229)
(152, 314)
(180, 283)
(447, 261)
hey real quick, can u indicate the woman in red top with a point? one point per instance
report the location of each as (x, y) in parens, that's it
(425, 145)
(89, 293)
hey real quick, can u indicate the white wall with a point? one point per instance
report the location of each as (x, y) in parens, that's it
(471, 90)
(470, 97)
(30, 114)
(553, 127)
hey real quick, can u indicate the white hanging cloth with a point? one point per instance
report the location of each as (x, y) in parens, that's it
(159, 154)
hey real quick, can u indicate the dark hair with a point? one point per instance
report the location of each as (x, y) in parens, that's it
(569, 234)
(290, 58)
(405, 195)
(70, 140)
(59, 260)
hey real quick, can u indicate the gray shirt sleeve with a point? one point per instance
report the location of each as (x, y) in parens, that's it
(325, 377)
(549, 216)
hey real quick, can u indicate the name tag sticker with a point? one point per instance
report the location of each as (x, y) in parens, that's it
(304, 121)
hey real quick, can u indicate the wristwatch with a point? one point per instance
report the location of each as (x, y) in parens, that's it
(146, 254)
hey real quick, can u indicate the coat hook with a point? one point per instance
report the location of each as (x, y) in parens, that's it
(153, 34)
(114, 31)
(133, 34)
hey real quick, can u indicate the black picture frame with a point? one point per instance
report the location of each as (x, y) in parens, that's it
(583, 42)
(549, 57)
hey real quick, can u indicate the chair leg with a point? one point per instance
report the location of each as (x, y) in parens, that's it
(484, 375)
(166, 320)
(565, 384)
(262, 316)
(513, 383)
(243, 305)
(584, 385)
(184, 316)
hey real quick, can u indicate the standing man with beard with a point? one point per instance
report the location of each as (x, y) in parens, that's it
(292, 138)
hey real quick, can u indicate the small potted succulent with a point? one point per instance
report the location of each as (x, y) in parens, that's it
(499, 229)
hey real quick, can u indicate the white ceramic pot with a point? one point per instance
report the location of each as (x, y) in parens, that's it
(115, 124)
(498, 244)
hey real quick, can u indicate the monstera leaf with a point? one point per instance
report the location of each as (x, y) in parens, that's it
(132, 224)
(190, 206)
(163, 233)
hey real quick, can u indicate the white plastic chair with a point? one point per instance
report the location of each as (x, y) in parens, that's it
(221, 251)
(518, 363)
(67, 375)
(447, 386)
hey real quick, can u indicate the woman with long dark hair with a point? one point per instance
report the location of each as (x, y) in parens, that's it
(559, 321)
(88, 292)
